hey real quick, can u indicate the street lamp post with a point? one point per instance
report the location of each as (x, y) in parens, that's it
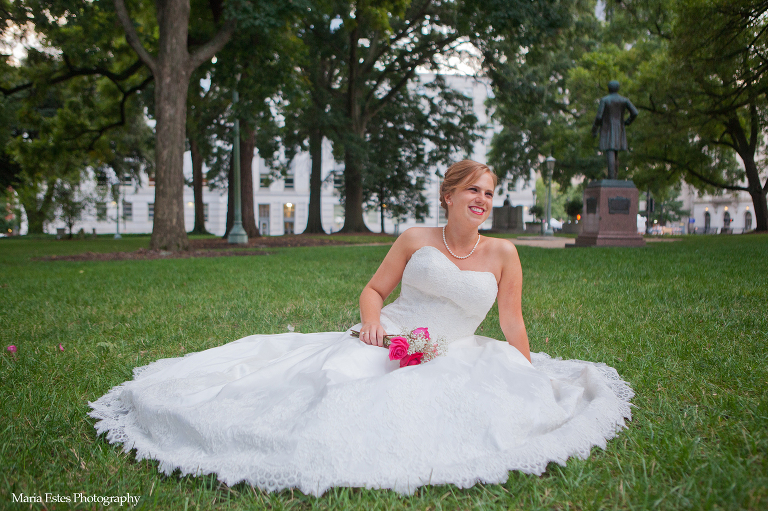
(550, 161)
(116, 197)
(237, 234)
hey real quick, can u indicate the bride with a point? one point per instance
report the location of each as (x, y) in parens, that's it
(315, 411)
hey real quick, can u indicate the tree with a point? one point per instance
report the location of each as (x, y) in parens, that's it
(378, 48)
(71, 203)
(9, 168)
(703, 89)
(667, 206)
(10, 214)
(574, 207)
(172, 68)
(306, 96)
(72, 97)
(414, 133)
(257, 64)
(533, 101)
(559, 198)
(45, 153)
(206, 108)
(722, 70)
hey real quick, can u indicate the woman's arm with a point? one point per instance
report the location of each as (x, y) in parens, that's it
(382, 283)
(510, 299)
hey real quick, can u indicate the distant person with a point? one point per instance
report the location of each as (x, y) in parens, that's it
(610, 121)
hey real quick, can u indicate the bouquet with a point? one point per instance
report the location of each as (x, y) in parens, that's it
(413, 348)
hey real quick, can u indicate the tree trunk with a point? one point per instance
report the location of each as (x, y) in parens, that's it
(172, 73)
(353, 203)
(353, 175)
(745, 148)
(761, 210)
(315, 220)
(758, 195)
(38, 212)
(381, 213)
(756, 191)
(197, 186)
(171, 68)
(247, 145)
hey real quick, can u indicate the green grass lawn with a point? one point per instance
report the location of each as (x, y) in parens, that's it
(684, 322)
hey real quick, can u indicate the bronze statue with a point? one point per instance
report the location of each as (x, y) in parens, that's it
(610, 120)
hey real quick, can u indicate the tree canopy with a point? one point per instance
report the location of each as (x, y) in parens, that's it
(345, 70)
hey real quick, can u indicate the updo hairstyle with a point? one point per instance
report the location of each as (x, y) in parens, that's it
(459, 174)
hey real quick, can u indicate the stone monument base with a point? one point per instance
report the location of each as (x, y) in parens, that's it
(508, 219)
(609, 216)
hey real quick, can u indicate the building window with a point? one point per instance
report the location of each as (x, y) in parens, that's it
(101, 180)
(289, 211)
(205, 211)
(151, 180)
(127, 180)
(265, 180)
(707, 221)
(264, 219)
(748, 221)
(338, 179)
(289, 182)
(101, 211)
(127, 211)
(726, 220)
(151, 211)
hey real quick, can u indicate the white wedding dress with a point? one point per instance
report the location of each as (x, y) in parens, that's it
(314, 411)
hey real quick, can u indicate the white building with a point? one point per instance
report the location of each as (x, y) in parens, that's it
(732, 212)
(282, 207)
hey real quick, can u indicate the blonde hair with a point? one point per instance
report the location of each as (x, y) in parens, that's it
(459, 174)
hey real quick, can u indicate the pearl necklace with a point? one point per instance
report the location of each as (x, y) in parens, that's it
(451, 251)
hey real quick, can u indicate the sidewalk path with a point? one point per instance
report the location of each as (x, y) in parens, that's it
(543, 241)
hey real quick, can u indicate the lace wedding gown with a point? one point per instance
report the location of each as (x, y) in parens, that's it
(314, 411)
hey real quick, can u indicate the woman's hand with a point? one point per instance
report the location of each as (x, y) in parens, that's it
(373, 334)
(383, 283)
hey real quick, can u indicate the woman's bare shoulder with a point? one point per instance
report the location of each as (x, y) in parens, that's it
(420, 231)
(502, 247)
(504, 252)
(417, 237)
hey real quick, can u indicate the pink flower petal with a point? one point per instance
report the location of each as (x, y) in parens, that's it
(398, 348)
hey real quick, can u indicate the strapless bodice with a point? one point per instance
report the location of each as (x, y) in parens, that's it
(436, 294)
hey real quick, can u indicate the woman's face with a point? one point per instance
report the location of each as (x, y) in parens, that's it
(472, 200)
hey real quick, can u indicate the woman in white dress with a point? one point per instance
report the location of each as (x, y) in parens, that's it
(314, 411)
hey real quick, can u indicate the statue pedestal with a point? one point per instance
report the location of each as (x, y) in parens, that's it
(609, 217)
(508, 219)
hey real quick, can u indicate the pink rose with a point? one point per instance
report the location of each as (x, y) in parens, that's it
(398, 348)
(12, 349)
(421, 331)
(411, 360)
